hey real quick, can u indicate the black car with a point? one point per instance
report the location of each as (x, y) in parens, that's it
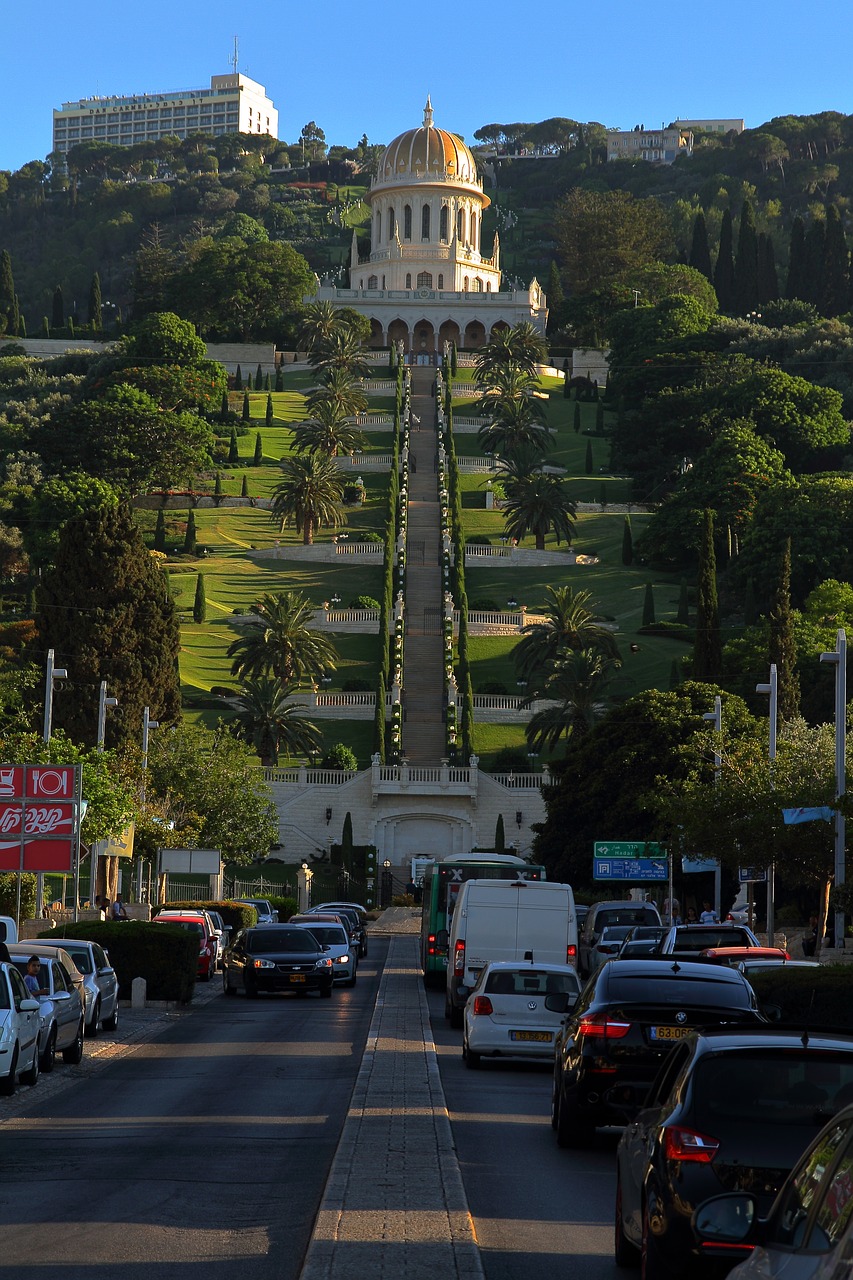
(731, 1110)
(629, 1016)
(643, 940)
(273, 957)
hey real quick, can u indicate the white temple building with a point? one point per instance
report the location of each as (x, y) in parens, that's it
(427, 280)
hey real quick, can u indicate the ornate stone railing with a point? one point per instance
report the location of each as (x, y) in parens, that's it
(302, 776)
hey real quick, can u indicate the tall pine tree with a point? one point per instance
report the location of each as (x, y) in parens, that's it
(815, 257)
(233, 447)
(724, 271)
(783, 646)
(258, 457)
(746, 263)
(238, 379)
(795, 285)
(768, 282)
(700, 254)
(269, 416)
(836, 266)
(160, 531)
(246, 412)
(707, 648)
(190, 536)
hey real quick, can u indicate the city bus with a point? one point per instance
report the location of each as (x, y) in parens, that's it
(441, 884)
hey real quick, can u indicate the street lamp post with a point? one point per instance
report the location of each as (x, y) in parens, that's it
(52, 674)
(103, 703)
(147, 724)
(771, 688)
(716, 718)
(838, 659)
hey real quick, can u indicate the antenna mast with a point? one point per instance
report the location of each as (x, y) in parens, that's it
(235, 58)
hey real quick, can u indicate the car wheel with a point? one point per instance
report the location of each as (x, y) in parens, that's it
(326, 992)
(555, 1102)
(31, 1077)
(456, 1017)
(74, 1053)
(625, 1253)
(48, 1058)
(352, 980)
(8, 1083)
(472, 1060)
(652, 1265)
(448, 1007)
(111, 1024)
(92, 1026)
(227, 989)
(251, 990)
(573, 1129)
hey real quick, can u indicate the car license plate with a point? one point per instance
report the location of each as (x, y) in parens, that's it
(541, 1037)
(297, 977)
(670, 1033)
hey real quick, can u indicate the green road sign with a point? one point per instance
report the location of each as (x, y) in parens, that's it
(628, 849)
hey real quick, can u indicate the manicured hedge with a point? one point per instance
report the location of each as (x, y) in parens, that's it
(166, 957)
(818, 998)
(236, 914)
(286, 907)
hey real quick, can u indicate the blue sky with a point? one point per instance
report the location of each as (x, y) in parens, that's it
(367, 68)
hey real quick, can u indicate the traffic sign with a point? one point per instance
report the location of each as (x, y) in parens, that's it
(751, 875)
(628, 849)
(630, 869)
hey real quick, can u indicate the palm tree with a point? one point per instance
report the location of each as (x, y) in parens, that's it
(516, 423)
(539, 504)
(341, 350)
(506, 382)
(569, 624)
(280, 641)
(340, 388)
(320, 321)
(309, 495)
(520, 461)
(329, 432)
(522, 348)
(272, 724)
(577, 683)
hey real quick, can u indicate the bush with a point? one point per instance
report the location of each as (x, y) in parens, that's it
(485, 606)
(353, 495)
(223, 691)
(818, 998)
(492, 686)
(402, 900)
(357, 686)
(510, 760)
(9, 896)
(364, 602)
(167, 958)
(235, 914)
(286, 907)
(668, 630)
(339, 756)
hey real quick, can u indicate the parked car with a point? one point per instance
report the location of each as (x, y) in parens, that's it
(277, 958)
(195, 923)
(642, 940)
(628, 1018)
(731, 1108)
(100, 981)
(334, 938)
(690, 939)
(505, 1015)
(20, 1023)
(61, 1010)
(8, 929)
(609, 944)
(223, 932)
(53, 951)
(357, 914)
(601, 914)
(265, 910)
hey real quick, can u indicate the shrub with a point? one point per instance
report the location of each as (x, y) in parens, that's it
(485, 606)
(237, 915)
(364, 602)
(353, 495)
(510, 760)
(402, 900)
(339, 756)
(807, 997)
(167, 958)
(357, 686)
(286, 907)
(492, 686)
(9, 895)
(223, 691)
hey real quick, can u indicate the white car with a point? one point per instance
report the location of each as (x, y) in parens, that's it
(506, 1015)
(100, 981)
(334, 939)
(20, 1023)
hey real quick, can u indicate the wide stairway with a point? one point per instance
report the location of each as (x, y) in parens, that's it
(423, 728)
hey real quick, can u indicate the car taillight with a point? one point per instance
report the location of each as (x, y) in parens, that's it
(571, 953)
(459, 957)
(482, 1004)
(688, 1145)
(599, 1025)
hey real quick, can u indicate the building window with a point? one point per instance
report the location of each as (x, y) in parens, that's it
(424, 280)
(425, 220)
(488, 286)
(390, 224)
(408, 279)
(442, 223)
(372, 282)
(377, 228)
(440, 280)
(459, 225)
(478, 285)
(407, 222)
(465, 284)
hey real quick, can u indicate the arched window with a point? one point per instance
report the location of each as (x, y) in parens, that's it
(372, 282)
(465, 284)
(408, 279)
(488, 286)
(440, 280)
(474, 228)
(377, 228)
(460, 224)
(425, 218)
(407, 222)
(442, 223)
(390, 224)
(424, 280)
(478, 285)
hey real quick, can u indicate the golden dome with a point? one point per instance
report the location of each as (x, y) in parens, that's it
(426, 152)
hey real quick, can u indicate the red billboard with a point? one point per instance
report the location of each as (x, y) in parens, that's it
(38, 817)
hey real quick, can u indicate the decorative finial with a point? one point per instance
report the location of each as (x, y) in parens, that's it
(428, 114)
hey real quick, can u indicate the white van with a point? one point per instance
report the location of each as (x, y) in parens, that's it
(8, 929)
(507, 920)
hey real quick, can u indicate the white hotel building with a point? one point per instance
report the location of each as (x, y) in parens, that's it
(232, 104)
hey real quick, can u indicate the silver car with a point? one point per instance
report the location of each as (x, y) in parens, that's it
(100, 982)
(60, 1008)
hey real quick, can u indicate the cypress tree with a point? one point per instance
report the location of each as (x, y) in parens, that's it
(576, 421)
(95, 311)
(258, 457)
(750, 608)
(556, 297)
(454, 360)
(246, 412)
(160, 531)
(259, 377)
(190, 537)
(700, 254)
(224, 412)
(602, 495)
(836, 266)
(233, 450)
(269, 413)
(45, 327)
(379, 717)
(58, 311)
(627, 542)
(250, 386)
(746, 262)
(649, 606)
(707, 648)
(500, 837)
(346, 839)
(795, 286)
(217, 486)
(244, 487)
(279, 379)
(7, 292)
(724, 271)
(106, 612)
(567, 386)
(683, 614)
(238, 379)
(267, 383)
(815, 255)
(200, 602)
(467, 717)
(783, 645)
(768, 281)
(588, 461)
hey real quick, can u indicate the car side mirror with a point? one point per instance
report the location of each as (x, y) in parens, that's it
(105, 972)
(61, 995)
(560, 1002)
(772, 1012)
(29, 1006)
(725, 1219)
(326, 946)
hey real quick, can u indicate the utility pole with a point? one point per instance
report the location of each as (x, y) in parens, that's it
(103, 703)
(772, 688)
(838, 659)
(716, 718)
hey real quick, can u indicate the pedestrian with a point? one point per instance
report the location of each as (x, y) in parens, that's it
(32, 978)
(709, 915)
(691, 916)
(118, 912)
(810, 937)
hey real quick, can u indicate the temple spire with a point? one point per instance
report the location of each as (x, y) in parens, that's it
(428, 114)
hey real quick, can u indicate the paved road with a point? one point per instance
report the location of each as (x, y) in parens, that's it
(202, 1154)
(535, 1208)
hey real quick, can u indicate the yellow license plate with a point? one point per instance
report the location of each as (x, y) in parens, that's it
(541, 1037)
(297, 977)
(670, 1033)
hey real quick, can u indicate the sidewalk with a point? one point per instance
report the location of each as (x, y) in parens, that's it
(394, 1204)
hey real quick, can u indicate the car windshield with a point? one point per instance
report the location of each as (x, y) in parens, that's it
(82, 959)
(615, 932)
(701, 939)
(280, 940)
(626, 916)
(194, 926)
(759, 1087)
(329, 934)
(530, 982)
(650, 989)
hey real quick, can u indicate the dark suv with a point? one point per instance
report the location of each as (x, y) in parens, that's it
(629, 1016)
